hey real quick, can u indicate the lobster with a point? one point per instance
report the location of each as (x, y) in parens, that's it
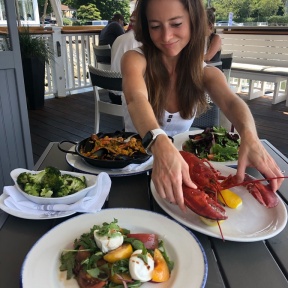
(203, 200)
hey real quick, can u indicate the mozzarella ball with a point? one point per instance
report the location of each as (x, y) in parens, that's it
(139, 270)
(107, 244)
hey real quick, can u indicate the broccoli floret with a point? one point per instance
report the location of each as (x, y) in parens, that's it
(36, 178)
(32, 188)
(22, 179)
(83, 179)
(46, 192)
(52, 179)
(52, 170)
(73, 183)
(50, 183)
(63, 191)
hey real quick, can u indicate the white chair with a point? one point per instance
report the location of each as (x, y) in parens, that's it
(109, 80)
(102, 56)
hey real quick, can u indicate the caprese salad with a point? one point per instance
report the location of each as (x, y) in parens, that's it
(111, 256)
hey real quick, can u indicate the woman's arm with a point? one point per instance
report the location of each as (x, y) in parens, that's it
(169, 167)
(252, 152)
(133, 66)
(214, 47)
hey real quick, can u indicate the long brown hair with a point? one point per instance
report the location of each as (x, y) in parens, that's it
(189, 68)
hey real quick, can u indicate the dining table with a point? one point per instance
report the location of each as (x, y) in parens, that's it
(234, 264)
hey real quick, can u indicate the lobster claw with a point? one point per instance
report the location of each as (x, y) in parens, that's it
(200, 203)
(262, 193)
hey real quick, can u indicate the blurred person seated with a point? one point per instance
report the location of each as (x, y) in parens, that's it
(213, 41)
(110, 32)
(122, 44)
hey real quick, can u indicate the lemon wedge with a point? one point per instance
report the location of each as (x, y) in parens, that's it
(231, 199)
(210, 222)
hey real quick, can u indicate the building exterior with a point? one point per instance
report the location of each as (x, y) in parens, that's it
(28, 12)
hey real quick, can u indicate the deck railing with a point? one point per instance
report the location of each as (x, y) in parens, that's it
(73, 50)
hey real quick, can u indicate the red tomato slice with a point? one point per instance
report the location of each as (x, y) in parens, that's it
(150, 240)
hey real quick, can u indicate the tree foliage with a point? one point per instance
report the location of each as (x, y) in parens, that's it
(107, 8)
(259, 10)
(88, 12)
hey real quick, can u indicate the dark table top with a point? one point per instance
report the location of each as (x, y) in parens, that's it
(230, 264)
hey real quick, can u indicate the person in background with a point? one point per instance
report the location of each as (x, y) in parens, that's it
(214, 42)
(122, 44)
(165, 82)
(112, 30)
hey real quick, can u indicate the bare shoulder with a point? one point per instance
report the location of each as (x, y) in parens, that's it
(212, 74)
(133, 55)
(132, 60)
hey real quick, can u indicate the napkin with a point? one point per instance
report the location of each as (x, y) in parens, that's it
(136, 167)
(92, 202)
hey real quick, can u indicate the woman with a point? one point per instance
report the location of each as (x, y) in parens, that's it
(167, 76)
(214, 43)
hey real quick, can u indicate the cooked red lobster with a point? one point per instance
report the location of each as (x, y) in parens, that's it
(203, 201)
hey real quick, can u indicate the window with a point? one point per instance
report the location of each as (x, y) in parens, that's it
(27, 10)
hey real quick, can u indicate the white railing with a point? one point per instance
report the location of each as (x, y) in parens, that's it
(73, 50)
(73, 53)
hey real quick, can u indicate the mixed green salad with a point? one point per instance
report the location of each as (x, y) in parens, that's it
(215, 144)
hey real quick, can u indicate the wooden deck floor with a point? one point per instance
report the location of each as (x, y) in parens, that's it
(72, 118)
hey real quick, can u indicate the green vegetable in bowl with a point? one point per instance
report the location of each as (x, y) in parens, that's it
(50, 183)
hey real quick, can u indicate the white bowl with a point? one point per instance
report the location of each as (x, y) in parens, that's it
(90, 180)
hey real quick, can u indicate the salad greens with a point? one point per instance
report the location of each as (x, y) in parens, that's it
(215, 144)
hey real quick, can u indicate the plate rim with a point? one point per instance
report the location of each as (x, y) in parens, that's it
(97, 170)
(110, 211)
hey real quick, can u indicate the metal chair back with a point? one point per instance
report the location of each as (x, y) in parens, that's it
(109, 80)
(103, 56)
(208, 119)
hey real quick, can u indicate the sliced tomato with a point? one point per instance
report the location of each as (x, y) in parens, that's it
(150, 240)
(86, 281)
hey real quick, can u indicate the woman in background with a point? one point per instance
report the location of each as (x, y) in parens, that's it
(214, 42)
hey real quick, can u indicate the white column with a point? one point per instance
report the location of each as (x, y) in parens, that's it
(58, 64)
(56, 6)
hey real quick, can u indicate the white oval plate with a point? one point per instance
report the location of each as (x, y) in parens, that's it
(180, 138)
(248, 223)
(190, 263)
(78, 163)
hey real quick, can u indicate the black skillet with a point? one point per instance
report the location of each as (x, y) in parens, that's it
(110, 161)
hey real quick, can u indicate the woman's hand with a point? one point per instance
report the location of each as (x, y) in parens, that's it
(170, 170)
(253, 154)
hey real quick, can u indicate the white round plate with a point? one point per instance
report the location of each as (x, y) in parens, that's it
(190, 263)
(20, 214)
(78, 163)
(180, 138)
(248, 223)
